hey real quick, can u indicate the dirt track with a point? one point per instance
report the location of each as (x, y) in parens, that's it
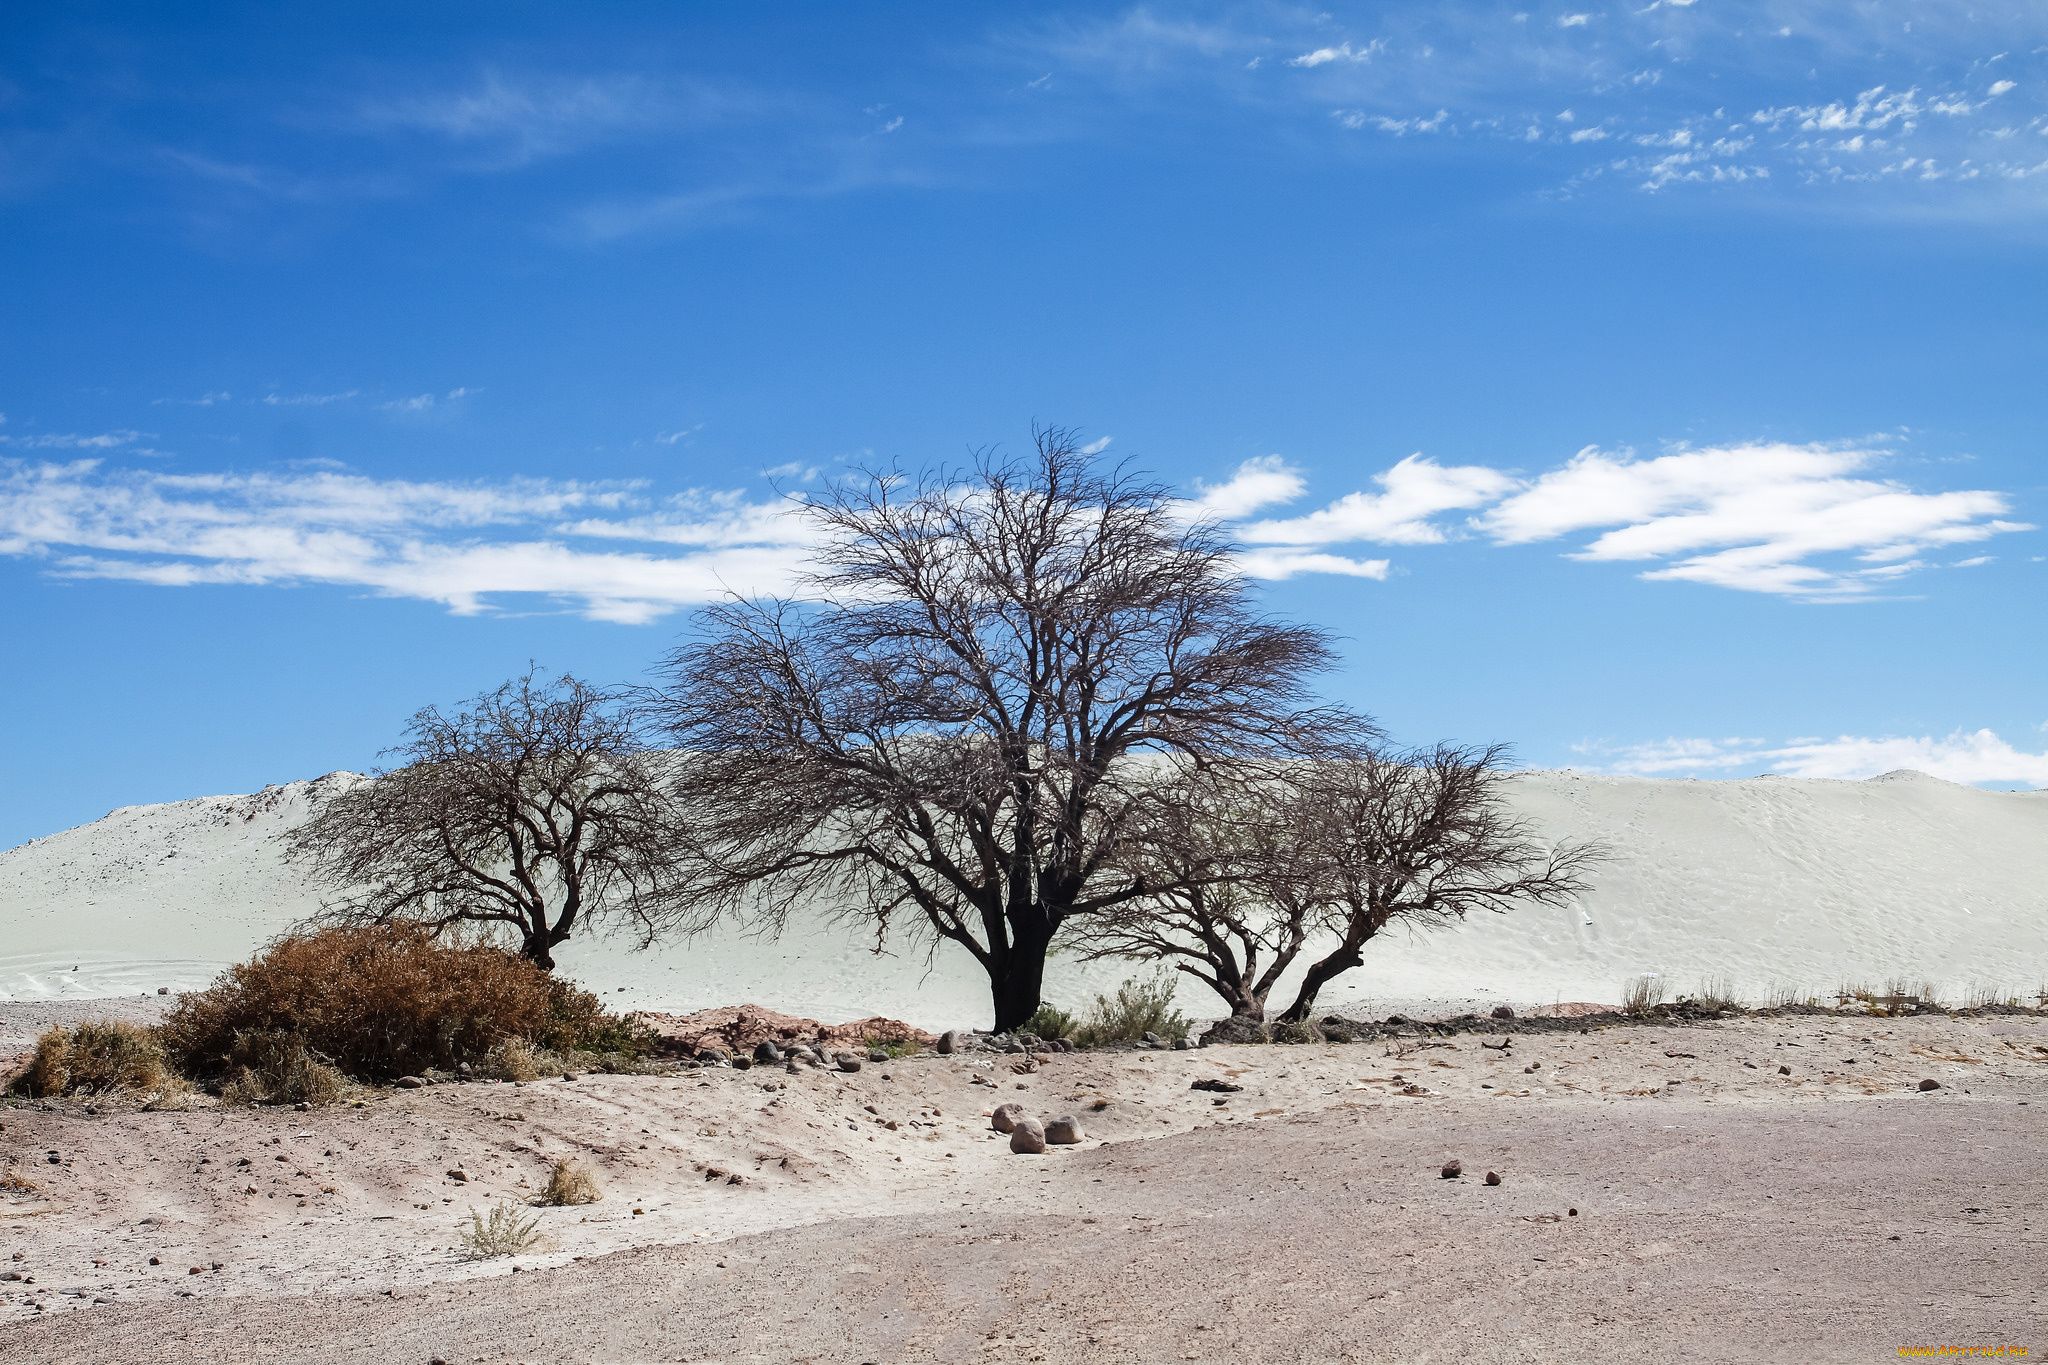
(1740, 1215)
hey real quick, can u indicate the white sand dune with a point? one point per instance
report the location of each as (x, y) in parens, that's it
(1765, 881)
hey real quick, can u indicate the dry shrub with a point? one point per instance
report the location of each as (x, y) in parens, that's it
(511, 1060)
(96, 1059)
(1642, 993)
(1716, 993)
(272, 1066)
(504, 1233)
(381, 1001)
(571, 1182)
(14, 1182)
(1295, 1031)
(1781, 994)
(1140, 1007)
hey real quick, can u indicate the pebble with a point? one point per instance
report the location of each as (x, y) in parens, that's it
(1493, 1177)
(1452, 1170)
(877, 1055)
(409, 1083)
(949, 1042)
(1784, 1071)
(1028, 1137)
(1005, 1117)
(1064, 1130)
(766, 1051)
(848, 1062)
(1930, 1084)
(1503, 1012)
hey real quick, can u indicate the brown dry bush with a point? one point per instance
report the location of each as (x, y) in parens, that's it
(14, 1182)
(382, 1001)
(571, 1182)
(271, 1066)
(97, 1059)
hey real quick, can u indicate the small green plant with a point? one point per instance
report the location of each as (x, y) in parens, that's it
(1139, 1008)
(1049, 1022)
(1294, 1031)
(571, 1182)
(1640, 994)
(901, 1047)
(503, 1233)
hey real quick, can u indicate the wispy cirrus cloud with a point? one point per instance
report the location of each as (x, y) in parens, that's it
(1978, 756)
(467, 546)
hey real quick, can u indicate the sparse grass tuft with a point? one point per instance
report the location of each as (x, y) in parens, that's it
(513, 1059)
(14, 1182)
(1781, 994)
(1640, 994)
(503, 1233)
(901, 1047)
(1979, 994)
(97, 1059)
(1716, 993)
(571, 1182)
(1140, 1007)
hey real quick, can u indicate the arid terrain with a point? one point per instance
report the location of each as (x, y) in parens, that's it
(1724, 1211)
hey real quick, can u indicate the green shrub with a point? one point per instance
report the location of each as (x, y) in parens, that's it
(504, 1233)
(1050, 1022)
(1139, 1008)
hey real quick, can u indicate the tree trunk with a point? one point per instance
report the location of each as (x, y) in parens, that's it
(1320, 974)
(1018, 976)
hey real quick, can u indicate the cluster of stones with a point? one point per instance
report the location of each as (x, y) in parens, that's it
(1030, 1136)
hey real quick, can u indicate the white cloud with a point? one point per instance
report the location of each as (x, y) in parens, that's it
(2000, 87)
(462, 545)
(313, 400)
(454, 394)
(414, 404)
(1574, 20)
(106, 440)
(1343, 52)
(1097, 447)
(1413, 491)
(205, 400)
(1751, 517)
(1262, 482)
(1283, 564)
(1969, 757)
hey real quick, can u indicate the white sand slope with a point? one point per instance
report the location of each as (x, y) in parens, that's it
(1765, 881)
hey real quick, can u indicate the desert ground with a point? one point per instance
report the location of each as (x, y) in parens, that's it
(1724, 1211)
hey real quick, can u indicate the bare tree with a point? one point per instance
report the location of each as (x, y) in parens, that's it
(1238, 890)
(954, 721)
(1421, 839)
(536, 808)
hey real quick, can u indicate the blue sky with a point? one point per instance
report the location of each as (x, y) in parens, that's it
(1659, 388)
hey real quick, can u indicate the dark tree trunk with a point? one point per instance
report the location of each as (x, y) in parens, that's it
(1018, 976)
(1320, 974)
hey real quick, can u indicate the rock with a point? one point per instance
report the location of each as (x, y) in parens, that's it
(1930, 1084)
(408, 1083)
(766, 1051)
(1153, 1038)
(1064, 1131)
(1063, 1044)
(877, 1055)
(1236, 1029)
(163, 990)
(459, 1176)
(790, 1065)
(1502, 1012)
(1750, 1065)
(1005, 1117)
(743, 1064)
(1013, 1046)
(1180, 1045)
(949, 1042)
(1493, 1177)
(1028, 1137)
(712, 1056)
(464, 1070)
(1784, 1071)
(1220, 1087)
(1452, 1170)
(848, 1062)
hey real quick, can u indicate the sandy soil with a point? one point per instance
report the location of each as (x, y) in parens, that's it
(1725, 1212)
